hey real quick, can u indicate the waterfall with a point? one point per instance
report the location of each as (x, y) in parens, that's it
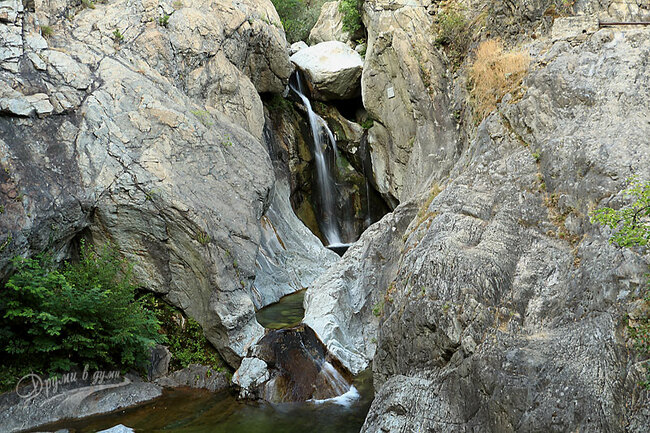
(346, 393)
(320, 130)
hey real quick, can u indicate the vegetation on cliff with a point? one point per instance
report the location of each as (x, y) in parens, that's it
(631, 229)
(494, 73)
(183, 336)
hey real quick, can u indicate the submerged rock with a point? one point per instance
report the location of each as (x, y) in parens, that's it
(332, 70)
(118, 429)
(196, 376)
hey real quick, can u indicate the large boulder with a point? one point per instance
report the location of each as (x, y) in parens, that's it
(332, 70)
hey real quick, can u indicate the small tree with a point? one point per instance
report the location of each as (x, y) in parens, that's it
(351, 10)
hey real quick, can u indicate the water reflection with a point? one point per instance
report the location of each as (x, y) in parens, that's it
(286, 313)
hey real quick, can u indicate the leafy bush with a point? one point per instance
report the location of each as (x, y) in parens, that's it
(351, 10)
(298, 17)
(631, 225)
(184, 337)
(52, 320)
(495, 73)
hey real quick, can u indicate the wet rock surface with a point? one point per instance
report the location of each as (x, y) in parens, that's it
(291, 365)
(47, 403)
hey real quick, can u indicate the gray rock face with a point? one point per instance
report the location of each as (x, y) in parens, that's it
(404, 87)
(329, 26)
(140, 142)
(332, 70)
(339, 305)
(508, 308)
(160, 357)
(290, 256)
(195, 376)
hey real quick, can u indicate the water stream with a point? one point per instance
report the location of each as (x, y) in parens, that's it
(197, 411)
(286, 313)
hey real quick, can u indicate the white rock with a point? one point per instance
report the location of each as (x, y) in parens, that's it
(118, 429)
(41, 103)
(251, 373)
(297, 46)
(332, 69)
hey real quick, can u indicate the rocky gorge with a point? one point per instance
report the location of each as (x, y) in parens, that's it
(474, 286)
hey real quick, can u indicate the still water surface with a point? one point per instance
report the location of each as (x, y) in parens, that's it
(196, 411)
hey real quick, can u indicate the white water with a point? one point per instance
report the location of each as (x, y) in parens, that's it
(319, 129)
(347, 393)
(345, 399)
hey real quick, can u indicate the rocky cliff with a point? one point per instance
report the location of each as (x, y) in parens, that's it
(487, 301)
(141, 123)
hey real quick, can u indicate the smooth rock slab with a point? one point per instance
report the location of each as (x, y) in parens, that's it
(332, 69)
(17, 414)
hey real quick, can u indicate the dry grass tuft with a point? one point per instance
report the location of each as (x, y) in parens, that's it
(494, 74)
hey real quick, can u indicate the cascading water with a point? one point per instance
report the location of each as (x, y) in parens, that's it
(327, 190)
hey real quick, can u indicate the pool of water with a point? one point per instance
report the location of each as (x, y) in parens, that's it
(194, 411)
(286, 313)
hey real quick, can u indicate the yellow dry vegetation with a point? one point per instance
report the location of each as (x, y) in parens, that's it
(495, 73)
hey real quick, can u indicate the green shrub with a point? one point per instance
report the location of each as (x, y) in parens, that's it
(378, 308)
(631, 226)
(630, 223)
(163, 20)
(118, 36)
(52, 320)
(47, 31)
(453, 34)
(368, 123)
(351, 10)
